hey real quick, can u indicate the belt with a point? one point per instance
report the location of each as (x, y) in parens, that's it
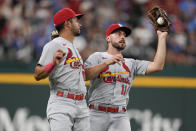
(71, 96)
(108, 109)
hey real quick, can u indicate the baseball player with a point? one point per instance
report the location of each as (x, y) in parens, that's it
(67, 109)
(109, 90)
(60, 60)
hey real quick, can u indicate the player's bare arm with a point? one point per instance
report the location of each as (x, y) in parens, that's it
(93, 71)
(159, 59)
(41, 72)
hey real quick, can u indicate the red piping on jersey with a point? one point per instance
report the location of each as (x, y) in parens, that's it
(69, 55)
(127, 69)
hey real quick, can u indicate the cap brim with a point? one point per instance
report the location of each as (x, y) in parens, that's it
(126, 29)
(79, 15)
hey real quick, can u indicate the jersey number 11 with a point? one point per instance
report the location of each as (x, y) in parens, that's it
(124, 89)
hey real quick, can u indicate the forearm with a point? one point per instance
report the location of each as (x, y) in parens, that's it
(42, 72)
(93, 71)
(159, 59)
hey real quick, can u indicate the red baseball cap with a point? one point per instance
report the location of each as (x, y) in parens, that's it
(64, 15)
(115, 27)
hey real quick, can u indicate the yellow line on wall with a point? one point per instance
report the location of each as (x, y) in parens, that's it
(182, 82)
(21, 79)
(146, 81)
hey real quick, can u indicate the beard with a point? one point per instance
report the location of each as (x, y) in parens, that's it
(119, 45)
(75, 31)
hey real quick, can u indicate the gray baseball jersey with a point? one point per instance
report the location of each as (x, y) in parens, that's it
(112, 85)
(68, 77)
(69, 74)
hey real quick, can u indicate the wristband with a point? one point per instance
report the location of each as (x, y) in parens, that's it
(49, 67)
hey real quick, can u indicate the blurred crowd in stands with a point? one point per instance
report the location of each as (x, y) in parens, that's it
(25, 27)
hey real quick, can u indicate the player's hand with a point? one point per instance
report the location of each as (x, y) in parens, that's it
(161, 34)
(115, 59)
(58, 56)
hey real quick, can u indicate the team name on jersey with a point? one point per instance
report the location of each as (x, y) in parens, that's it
(75, 65)
(109, 77)
(74, 61)
(118, 78)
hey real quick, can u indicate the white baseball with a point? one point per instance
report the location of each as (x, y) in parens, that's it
(160, 20)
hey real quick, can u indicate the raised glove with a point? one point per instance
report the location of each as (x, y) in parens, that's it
(159, 19)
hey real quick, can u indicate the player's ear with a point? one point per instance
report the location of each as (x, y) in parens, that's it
(68, 23)
(108, 38)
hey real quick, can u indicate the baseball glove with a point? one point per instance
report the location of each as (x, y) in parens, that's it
(54, 34)
(159, 18)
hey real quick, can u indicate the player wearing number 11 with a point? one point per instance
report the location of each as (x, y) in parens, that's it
(109, 89)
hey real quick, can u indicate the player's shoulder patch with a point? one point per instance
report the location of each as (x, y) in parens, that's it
(64, 44)
(104, 57)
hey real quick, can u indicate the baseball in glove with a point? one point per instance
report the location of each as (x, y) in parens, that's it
(54, 34)
(159, 18)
